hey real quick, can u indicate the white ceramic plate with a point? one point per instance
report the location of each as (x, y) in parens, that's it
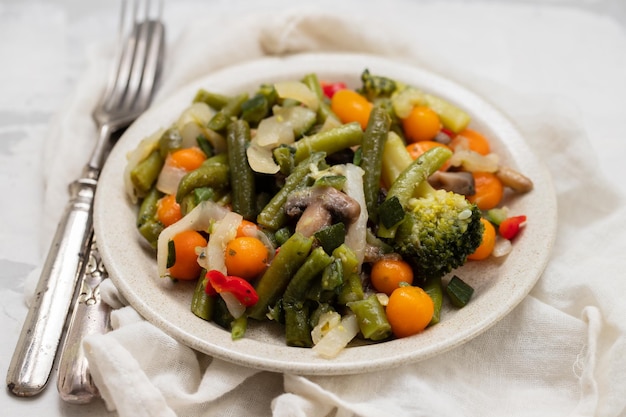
(499, 284)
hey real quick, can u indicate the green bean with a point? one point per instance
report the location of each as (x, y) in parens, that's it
(396, 123)
(151, 230)
(273, 216)
(434, 289)
(202, 304)
(372, 319)
(238, 327)
(293, 253)
(197, 196)
(147, 224)
(145, 174)
(352, 288)
(148, 208)
(416, 173)
(323, 111)
(281, 235)
(312, 267)
(329, 141)
(213, 172)
(170, 140)
(333, 275)
(218, 159)
(283, 155)
(372, 147)
(357, 158)
(242, 181)
(297, 326)
(222, 118)
(349, 261)
(213, 100)
(317, 293)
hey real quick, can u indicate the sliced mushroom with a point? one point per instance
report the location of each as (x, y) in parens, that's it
(458, 182)
(339, 204)
(314, 218)
(319, 207)
(298, 201)
(514, 179)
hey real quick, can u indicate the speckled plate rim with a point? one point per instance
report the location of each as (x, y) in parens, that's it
(499, 285)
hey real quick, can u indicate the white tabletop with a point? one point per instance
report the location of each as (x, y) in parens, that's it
(43, 46)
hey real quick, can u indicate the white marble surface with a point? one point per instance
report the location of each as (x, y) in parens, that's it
(578, 54)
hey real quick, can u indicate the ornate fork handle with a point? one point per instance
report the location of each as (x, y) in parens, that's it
(90, 316)
(37, 345)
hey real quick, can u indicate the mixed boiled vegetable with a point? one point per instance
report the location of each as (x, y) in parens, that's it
(337, 212)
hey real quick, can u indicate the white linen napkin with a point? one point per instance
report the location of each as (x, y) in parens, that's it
(560, 352)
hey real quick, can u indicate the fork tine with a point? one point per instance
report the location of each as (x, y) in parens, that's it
(138, 63)
(145, 64)
(152, 64)
(126, 44)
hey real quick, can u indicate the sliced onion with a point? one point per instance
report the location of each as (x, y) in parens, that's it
(223, 232)
(203, 257)
(200, 218)
(234, 306)
(169, 178)
(474, 162)
(338, 337)
(356, 235)
(261, 159)
(218, 141)
(327, 321)
(199, 113)
(189, 134)
(297, 91)
(460, 142)
(192, 123)
(274, 131)
(191, 131)
(502, 247)
(141, 152)
(383, 298)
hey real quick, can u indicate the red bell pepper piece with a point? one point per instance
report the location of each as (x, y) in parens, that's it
(448, 132)
(510, 227)
(239, 287)
(330, 89)
(208, 288)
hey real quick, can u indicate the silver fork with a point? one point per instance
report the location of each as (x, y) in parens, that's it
(128, 94)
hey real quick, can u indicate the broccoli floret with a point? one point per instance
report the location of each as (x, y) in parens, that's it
(376, 86)
(440, 228)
